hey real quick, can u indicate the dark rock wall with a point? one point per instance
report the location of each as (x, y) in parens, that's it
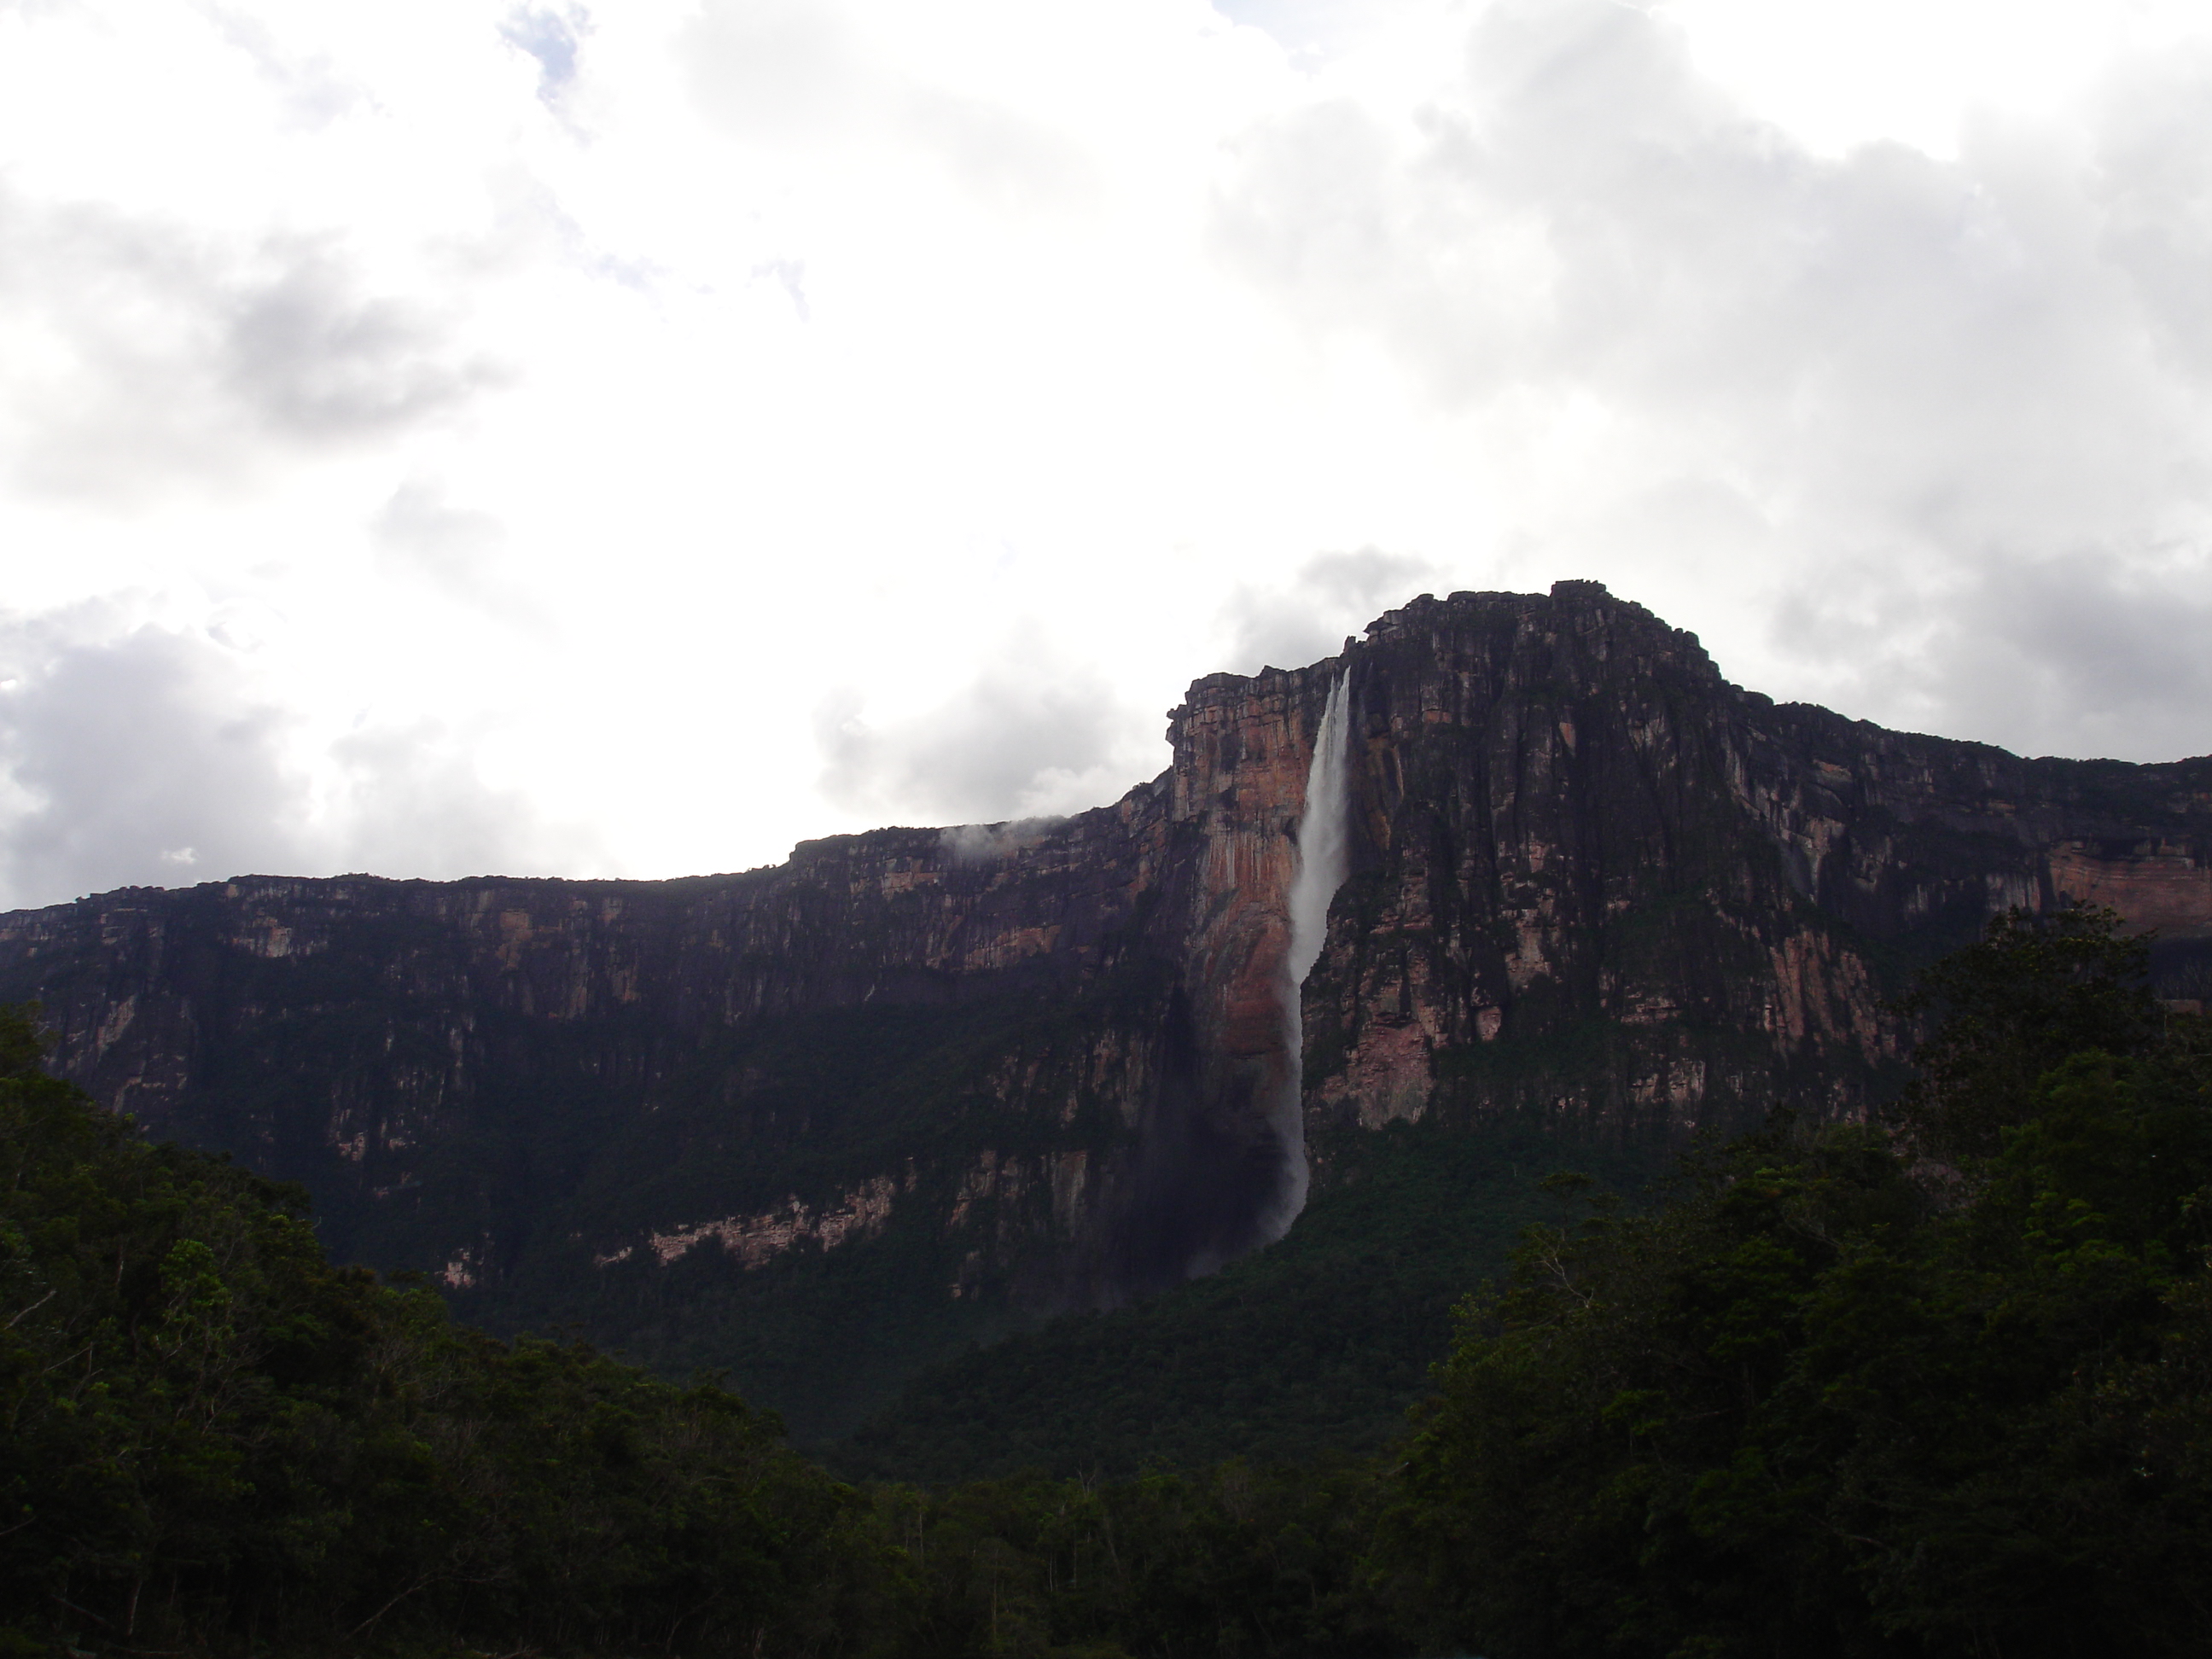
(1597, 881)
(951, 1077)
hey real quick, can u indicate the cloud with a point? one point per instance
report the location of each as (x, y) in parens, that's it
(1027, 736)
(772, 359)
(2152, 185)
(149, 758)
(782, 71)
(150, 356)
(139, 760)
(460, 551)
(987, 843)
(790, 276)
(774, 69)
(313, 91)
(307, 356)
(1307, 28)
(553, 38)
(411, 800)
(1015, 164)
(419, 528)
(1935, 381)
(2109, 659)
(1332, 595)
(2081, 655)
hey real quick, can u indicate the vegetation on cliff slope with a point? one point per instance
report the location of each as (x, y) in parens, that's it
(212, 1440)
(1941, 1386)
(208, 1435)
(1317, 1345)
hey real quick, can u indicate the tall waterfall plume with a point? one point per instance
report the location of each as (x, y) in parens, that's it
(1324, 852)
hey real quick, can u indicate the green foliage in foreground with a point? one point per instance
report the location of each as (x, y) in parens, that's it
(1837, 1400)
(209, 1436)
(1230, 1560)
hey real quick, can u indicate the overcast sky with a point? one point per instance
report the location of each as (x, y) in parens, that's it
(440, 437)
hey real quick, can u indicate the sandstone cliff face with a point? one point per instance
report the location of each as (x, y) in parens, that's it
(1600, 881)
(1028, 1065)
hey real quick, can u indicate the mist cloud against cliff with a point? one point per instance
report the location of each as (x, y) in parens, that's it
(447, 436)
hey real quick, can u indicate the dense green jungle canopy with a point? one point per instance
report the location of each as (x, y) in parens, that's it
(1324, 1340)
(1937, 1386)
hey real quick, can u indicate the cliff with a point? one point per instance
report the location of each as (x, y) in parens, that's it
(821, 1122)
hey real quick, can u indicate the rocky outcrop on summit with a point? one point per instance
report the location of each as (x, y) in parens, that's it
(1030, 1066)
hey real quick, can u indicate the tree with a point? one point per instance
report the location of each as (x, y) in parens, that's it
(211, 1435)
(2034, 989)
(1825, 1402)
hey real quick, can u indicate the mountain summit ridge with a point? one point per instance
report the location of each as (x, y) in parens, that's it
(821, 1121)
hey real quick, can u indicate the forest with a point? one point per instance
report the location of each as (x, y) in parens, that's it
(1936, 1383)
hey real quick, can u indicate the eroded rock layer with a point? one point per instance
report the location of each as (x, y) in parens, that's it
(817, 1122)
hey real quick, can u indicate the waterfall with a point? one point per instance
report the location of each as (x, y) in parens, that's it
(1324, 850)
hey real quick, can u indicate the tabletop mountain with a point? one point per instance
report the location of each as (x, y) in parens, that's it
(822, 1123)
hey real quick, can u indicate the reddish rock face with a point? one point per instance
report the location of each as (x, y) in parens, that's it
(1242, 749)
(2163, 885)
(1600, 882)
(1590, 881)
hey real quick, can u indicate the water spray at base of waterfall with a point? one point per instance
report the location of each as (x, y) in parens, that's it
(1324, 860)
